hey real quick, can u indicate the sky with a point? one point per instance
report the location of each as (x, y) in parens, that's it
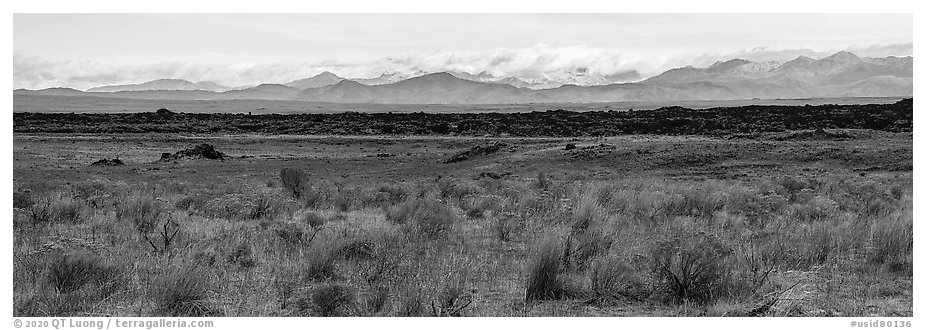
(88, 50)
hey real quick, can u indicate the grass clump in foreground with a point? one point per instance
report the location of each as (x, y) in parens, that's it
(184, 291)
(333, 299)
(429, 218)
(544, 274)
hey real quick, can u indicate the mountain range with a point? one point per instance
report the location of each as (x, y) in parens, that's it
(163, 84)
(842, 74)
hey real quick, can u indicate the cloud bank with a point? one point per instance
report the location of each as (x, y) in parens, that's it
(37, 71)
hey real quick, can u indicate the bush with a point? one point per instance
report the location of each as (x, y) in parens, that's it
(816, 208)
(358, 249)
(58, 208)
(69, 271)
(333, 299)
(192, 202)
(505, 225)
(264, 207)
(295, 181)
(241, 255)
(544, 271)
(313, 220)
(23, 199)
(41, 212)
(290, 233)
(585, 246)
(472, 208)
(457, 188)
(892, 242)
(229, 206)
(542, 182)
(142, 210)
(320, 266)
(429, 218)
(376, 298)
(412, 301)
(688, 265)
(67, 210)
(388, 194)
(453, 296)
(94, 193)
(379, 256)
(183, 291)
(612, 277)
(284, 283)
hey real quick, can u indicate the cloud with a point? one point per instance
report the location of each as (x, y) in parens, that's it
(541, 60)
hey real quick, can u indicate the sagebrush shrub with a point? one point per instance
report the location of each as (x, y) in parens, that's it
(427, 217)
(55, 207)
(453, 296)
(68, 210)
(290, 233)
(816, 208)
(388, 194)
(320, 266)
(412, 301)
(313, 220)
(242, 255)
(457, 188)
(230, 206)
(378, 257)
(791, 186)
(295, 181)
(69, 271)
(333, 299)
(376, 298)
(688, 265)
(542, 182)
(183, 291)
(284, 284)
(41, 212)
(192, 202)
(611, 276)
(898, 192)
(505, 225)
(23, 199)
(358, 249)
(348, 198)
(263, 207)
(95, 194)
(472, 209)
(143, 211)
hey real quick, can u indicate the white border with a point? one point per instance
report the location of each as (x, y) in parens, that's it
(473, 6)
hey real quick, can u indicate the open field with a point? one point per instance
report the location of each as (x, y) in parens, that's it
(90, 104)
(787, 223)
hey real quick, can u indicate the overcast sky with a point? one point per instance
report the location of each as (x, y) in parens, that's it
(86, 50)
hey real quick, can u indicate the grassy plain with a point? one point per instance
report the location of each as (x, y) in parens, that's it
(773, 224)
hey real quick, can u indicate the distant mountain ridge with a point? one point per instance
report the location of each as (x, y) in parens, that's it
(163, 84)
(322, 79)
(842, 74)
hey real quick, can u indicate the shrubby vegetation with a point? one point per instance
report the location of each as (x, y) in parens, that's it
(897, 117)
(459, 246)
